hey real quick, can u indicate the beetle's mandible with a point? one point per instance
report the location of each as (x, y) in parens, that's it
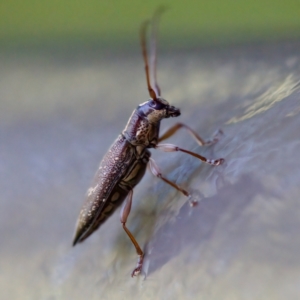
(126, 161)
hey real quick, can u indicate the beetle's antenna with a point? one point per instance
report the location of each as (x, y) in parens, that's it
(145, 56)
(153, 46)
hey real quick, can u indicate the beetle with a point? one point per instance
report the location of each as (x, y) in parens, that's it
(125, 163)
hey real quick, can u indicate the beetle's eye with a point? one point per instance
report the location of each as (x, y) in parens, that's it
(156, 105)
(152, 103)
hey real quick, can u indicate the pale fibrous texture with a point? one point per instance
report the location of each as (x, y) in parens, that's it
(59, 116)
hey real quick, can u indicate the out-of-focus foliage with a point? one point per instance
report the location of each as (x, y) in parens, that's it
(186, 22)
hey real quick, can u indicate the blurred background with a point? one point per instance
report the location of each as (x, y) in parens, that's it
(71, 72)
(115, 24)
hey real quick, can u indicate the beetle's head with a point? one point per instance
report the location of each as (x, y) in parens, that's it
(155, 110)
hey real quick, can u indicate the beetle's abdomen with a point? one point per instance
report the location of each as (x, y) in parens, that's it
(112, 167)
(120, 170)
(136, 171)
(114, 200)
(120, 191)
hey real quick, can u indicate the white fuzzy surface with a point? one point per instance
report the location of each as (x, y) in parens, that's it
(58, 117)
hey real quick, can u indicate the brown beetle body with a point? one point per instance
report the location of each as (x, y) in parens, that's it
(120, 170)
(122, 167)
(125, 163)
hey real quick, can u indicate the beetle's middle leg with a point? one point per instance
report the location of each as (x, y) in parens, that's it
(173, 148)
(156, 172)
(194, 134)
(123, 218)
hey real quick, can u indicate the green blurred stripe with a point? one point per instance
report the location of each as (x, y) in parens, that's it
(119, 19)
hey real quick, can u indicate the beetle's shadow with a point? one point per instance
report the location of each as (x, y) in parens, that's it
(196, 226)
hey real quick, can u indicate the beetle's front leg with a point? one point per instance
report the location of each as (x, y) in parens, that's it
(173, 148)
(123, 218)
(194, 134)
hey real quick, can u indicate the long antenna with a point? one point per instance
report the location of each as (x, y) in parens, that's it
(145, 56)
(153, 46)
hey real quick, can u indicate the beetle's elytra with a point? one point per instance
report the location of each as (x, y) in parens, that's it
(126, 161)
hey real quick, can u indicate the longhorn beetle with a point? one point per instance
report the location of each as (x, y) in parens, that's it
(124, 165)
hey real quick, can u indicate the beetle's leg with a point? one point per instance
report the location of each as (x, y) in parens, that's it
(123, 217)
(173, 148)
(156, 172)
(198, 139)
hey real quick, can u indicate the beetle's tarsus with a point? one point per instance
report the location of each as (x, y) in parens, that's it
(216, 137)
(219, 161)
(138, 267)
(193, 203)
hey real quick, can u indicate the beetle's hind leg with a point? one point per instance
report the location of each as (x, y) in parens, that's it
(156, 172)
(194, 134)
(123, 218)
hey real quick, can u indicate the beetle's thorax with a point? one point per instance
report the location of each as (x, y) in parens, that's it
(143, 126)
(139, 131)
